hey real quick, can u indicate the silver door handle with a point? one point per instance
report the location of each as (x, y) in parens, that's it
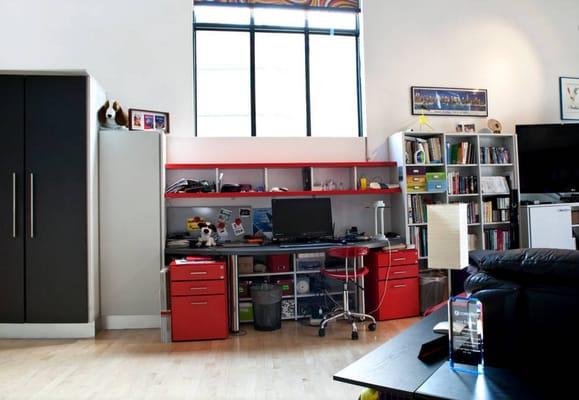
(14, 204)
(31, 206)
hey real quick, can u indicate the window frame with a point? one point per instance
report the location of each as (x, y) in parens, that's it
(252, 28)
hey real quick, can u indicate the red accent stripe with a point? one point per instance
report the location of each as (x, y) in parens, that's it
(279, 194)
(338, 164)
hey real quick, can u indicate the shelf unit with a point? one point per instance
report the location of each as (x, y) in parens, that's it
(263, 177)
(400, 205)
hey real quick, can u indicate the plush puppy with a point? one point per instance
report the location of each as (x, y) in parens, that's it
(112, 116)
(206, 236)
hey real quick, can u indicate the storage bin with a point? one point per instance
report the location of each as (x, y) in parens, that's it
(415, 170)
(245, 265)
(416, 188)
(245, 312)
(416, 179)
(435, 176)
(287, 286)
(266, 300)
(279, 263)
(433, 289)
(436, 185)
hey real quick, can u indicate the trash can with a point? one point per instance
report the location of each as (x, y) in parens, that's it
(433, 289)
(266, 300)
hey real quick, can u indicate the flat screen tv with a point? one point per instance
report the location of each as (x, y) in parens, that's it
(301, 219)
(548, 158)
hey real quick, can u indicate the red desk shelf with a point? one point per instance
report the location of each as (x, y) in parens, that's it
(279, 194)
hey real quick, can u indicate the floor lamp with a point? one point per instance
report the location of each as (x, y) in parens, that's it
(447, 235)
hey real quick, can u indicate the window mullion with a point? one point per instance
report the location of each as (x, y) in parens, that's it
(359, 79)
(252, 77)
(307, 66)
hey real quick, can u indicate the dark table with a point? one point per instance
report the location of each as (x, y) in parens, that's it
(395, 370)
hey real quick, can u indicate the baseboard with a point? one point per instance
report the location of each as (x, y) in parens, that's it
(131, 321)
(47, 331)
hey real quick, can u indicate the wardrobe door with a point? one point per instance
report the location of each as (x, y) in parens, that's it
(56, 214)
(11, 199)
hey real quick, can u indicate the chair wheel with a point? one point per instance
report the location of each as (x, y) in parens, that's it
(322, 332)
(354, 335)
(372, 327)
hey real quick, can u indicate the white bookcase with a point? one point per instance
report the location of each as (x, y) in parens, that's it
(479, 228)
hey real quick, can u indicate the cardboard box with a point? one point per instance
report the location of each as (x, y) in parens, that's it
(245, 265)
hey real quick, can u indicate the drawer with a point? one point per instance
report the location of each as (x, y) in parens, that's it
(399, 272)
(199, 317)
(436, 185)
(416, 188)
(197, 272)
(188, 288)
(435, 176)
(401, 299)
(416, 180)
(402, 257)
(415, 171)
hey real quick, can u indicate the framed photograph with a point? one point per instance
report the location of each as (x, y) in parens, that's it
(449, 101)
(145, 120)
(569, 88)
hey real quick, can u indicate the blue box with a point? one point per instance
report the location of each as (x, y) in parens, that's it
(436, 186)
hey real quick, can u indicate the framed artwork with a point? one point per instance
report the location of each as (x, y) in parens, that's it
(569, 94)
(449, 101)
(145, 120)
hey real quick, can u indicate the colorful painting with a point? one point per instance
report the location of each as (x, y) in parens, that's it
(351, 4)
(449, 101)
(569, 98)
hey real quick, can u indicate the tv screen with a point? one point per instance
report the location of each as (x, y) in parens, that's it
(548, 158)
(301, 218)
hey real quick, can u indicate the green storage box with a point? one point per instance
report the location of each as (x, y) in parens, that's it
(245, 312)
(435, 176)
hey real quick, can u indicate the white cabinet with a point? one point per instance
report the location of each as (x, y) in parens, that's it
(547, 226)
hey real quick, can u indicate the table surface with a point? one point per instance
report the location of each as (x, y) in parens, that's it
(271, 249)
(394, 367)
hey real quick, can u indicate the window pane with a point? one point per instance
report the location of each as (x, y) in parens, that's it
(223, 94)
(280, 87)
(279, 17)
(334, 99)
(222, 15)
(329, 20)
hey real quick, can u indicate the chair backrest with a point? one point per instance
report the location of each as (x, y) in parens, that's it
(347, 251)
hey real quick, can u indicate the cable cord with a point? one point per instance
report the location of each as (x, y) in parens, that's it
(386, 280)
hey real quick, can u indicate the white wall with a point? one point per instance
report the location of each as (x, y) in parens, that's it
(140, 51)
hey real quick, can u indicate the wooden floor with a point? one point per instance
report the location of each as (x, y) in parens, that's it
(292, 363)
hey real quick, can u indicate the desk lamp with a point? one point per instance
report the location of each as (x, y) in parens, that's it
(447, 235)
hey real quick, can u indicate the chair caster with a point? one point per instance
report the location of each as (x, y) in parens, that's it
(322, 332)
(354, 335)
(372, 326)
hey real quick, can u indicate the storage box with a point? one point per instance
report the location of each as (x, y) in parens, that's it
(279, 263)
(416, 188)
(310, 261)
(245, 265)
(415, 170)
(416, 179)
(244, 288)
(287, 286)
(436, 186)
(245, 312)
(435, 176)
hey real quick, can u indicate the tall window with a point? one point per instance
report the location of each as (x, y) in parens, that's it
(276, 72)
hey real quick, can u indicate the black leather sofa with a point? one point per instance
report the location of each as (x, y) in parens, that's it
(530, 307)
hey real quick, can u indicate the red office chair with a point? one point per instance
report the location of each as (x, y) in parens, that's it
(351, 256)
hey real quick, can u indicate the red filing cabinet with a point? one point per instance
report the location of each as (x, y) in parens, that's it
(199, 301)
(393, 277)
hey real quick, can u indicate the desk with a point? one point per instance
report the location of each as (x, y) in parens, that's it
(232, 254)
(395, 370)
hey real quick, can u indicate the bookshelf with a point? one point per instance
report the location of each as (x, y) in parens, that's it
(464, 159)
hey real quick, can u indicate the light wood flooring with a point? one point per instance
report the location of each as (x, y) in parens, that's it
(292, 363)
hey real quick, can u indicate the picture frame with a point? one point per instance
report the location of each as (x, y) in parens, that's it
(426, 100)
(569, 98)
(148, 120)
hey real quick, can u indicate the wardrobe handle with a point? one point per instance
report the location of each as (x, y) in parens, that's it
(31, 206)
(14, 204)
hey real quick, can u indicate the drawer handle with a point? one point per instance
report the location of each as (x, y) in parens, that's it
(399, 286)
(399, 272)
(400, 259)
(199, 303)
(198, 273)
(198, 288)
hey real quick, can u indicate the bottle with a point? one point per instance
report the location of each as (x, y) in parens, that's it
(363, 183)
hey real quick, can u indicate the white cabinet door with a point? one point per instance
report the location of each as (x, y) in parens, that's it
(550, 227)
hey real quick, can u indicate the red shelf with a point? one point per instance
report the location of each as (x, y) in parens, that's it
(282, 165)
(279, 194)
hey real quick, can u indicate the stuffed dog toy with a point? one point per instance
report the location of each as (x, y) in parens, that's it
(112, 116)
(206, 237)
